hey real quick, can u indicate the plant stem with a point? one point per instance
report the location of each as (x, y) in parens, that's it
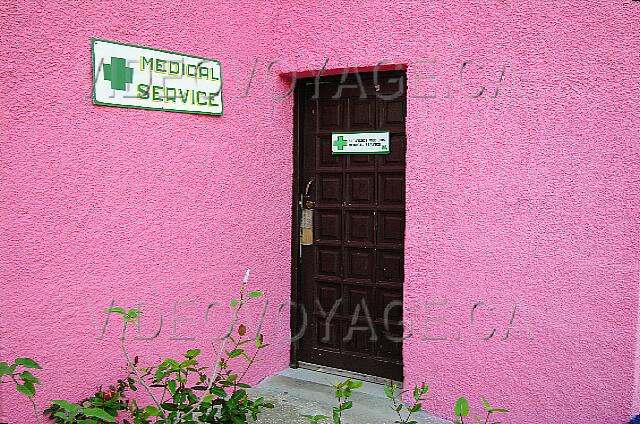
(253, 359)
(235, 346)
(135, 370)
(486, 420)
(395, 406)
(35, 410)
(408, 417)
(234, 322)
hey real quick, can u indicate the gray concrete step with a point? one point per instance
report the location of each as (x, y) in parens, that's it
(303, 392)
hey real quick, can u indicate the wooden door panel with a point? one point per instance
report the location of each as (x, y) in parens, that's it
(359, 265)
(330, 115)
(390, 266)
(352, 275)
(392, 115)
(390, 228)
(362, 114)
(360, 228)
(394, 161)
(329, 190)
(361, 188)
(325, 160)
(360, 162)
(328, 226)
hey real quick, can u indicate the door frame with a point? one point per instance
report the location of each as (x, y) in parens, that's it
(297, 184)
(296, 268)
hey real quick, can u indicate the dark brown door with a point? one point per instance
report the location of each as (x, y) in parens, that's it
(351, 277)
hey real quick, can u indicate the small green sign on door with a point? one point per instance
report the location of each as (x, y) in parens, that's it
(360, 143)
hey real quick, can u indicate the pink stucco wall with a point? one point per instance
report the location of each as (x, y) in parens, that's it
(529, 198)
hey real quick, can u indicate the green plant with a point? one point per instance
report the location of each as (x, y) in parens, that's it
(101, 407)
(342, 394)
(188, 397)
(395, 396)
(18, 373)
(73, 413)
(461, 409)
(192, 393)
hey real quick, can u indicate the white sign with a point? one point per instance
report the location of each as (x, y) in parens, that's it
(145, 78)
(363, 143)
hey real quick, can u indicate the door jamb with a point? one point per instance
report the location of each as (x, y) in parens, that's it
(298, 128)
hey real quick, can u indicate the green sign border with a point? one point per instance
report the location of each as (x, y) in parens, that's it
(94, 76)
(361, 153)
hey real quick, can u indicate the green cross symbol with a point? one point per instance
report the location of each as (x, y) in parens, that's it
(118, 73)
(340, 142)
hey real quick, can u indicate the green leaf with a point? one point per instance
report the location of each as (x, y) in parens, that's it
(159, 375)
(208, 398)
(116, 310)
(98, 413)
(486, 404)
(315, 419)
(4, 369)
(171, 385)
(354, 384)
(500, 410)
(389, 391)
(169, 406)
(234, 303)
(27, 376)
(169, 363)
(152, 411)
(336, 416)
(192, 353)
(235, 353)
(218, 391)
(67, 406)
(255, 294)
(347, 405)
(461, 407)
(188, 363)
(27, 363)
(26, 389)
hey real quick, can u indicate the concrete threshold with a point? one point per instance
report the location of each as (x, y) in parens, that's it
(298, 392)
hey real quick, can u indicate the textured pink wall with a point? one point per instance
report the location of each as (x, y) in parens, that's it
(530, 198)
(102, 203)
